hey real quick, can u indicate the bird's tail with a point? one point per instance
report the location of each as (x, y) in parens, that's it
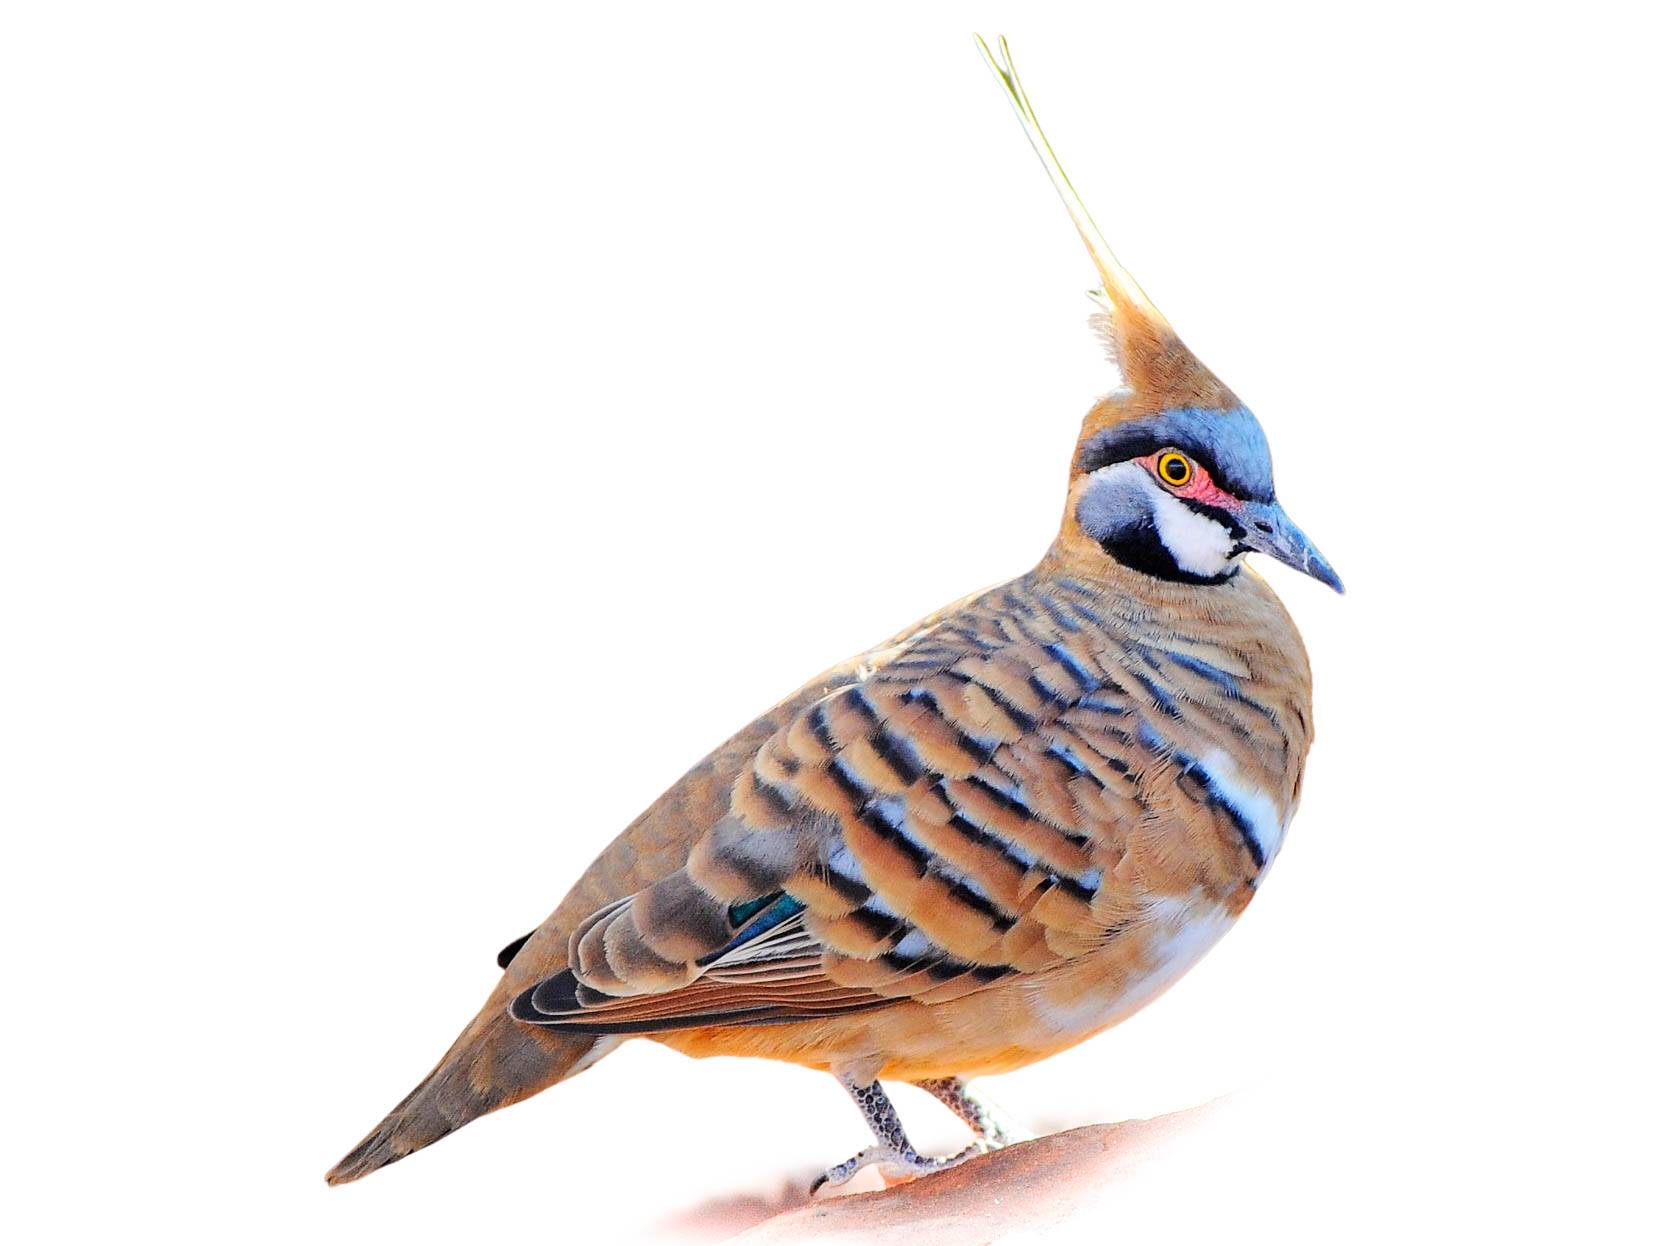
(496, 1061)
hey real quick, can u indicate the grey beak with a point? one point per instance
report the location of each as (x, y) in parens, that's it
(1270, 531)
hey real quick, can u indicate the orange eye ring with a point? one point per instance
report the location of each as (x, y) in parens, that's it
(1174, 468)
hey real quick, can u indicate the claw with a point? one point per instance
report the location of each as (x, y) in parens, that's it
(893, 1153)
(838, 1174)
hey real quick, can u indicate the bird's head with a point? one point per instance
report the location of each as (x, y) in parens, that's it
(1184, 494)
(1171, 476)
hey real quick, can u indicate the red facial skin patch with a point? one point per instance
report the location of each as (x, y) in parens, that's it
(1200, 486)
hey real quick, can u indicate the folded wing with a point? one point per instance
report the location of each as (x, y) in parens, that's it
(953, 819)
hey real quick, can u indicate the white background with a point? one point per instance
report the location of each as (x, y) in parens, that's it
(427, 429)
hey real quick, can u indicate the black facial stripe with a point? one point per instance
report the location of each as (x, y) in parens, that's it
(1120, 445)
(1140, 548)
(1217, 515)
(1116, 445)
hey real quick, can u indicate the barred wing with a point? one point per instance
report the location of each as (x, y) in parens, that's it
(963, 814)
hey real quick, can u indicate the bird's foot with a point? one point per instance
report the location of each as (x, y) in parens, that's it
(896, 1164)
(991, 1127)
(894, 1155)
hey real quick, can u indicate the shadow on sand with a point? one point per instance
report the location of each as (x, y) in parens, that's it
(1025, 1187)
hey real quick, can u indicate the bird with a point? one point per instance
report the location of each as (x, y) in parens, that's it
(978, 843)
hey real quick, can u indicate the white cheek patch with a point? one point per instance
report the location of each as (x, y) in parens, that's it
(1199, 545)
(1124, 495)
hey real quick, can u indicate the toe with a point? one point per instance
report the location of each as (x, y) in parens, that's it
(839, 1174)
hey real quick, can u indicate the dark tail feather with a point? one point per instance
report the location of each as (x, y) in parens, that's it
(495, 1062)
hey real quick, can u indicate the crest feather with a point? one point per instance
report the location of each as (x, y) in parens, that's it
(1158, 369)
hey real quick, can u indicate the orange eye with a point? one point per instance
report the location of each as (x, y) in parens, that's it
(1174, 468)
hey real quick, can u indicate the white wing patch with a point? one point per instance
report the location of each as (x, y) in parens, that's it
(1269, 828)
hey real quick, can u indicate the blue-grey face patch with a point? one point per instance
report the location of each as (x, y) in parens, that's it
(1227, 443)
(1105, 511)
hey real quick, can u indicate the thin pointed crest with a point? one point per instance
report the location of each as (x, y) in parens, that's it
(1157, 371)
(1119, 288)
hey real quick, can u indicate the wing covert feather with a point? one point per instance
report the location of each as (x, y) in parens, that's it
(962, 812)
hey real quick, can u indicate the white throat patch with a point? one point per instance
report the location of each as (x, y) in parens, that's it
(1198, 544)
(1125, 493)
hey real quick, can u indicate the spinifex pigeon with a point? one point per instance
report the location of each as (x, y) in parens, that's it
(978, 843)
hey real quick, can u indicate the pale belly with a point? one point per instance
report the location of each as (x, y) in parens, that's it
(1095, 997)
(1032, 1019)
(1002, 1028)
